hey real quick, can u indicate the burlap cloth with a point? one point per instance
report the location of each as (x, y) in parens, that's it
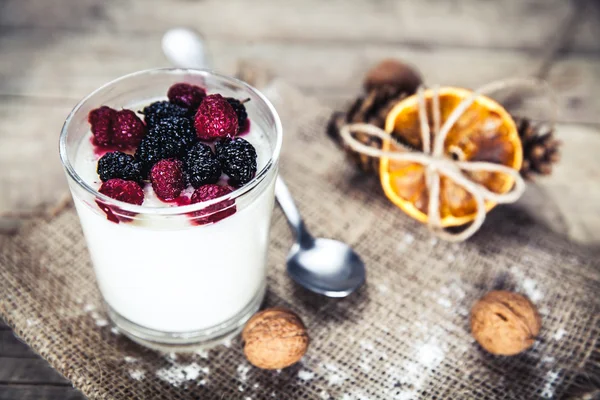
(404, 335)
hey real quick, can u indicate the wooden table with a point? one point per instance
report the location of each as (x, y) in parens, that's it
(53, 52)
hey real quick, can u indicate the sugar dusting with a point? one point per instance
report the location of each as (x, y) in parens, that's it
(178, 374)
(305, 375)
(335, 375)
(560, 333)
(414, 376)
(137, 374)
(405, 243)
(527, 285)
(242, 371)
(550, 381)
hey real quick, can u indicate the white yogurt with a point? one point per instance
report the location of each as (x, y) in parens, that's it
(186, 277)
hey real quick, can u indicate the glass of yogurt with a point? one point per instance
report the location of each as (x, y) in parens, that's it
(169, 282)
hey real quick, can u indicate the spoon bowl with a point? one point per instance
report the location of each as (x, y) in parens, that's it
(327, 267)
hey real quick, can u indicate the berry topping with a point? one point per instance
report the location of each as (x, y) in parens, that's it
(119, 165)
(167, 178)
(122, 190)
(215, 118)
(240, 111)
(128, 129)
(102, 119)
(186, 95)
(202, 166)
(238, 160)
(162, 109)
(214, 212)
(154, 148)
(179, 129)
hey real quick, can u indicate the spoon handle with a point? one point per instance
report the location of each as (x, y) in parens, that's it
(291, 212)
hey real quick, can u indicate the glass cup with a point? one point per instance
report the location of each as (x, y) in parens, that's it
(176, 278)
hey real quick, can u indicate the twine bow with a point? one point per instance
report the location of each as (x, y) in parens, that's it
(436, 163)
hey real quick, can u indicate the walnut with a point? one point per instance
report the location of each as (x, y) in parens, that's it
(395, 73)
(274, 338)
(505, 323)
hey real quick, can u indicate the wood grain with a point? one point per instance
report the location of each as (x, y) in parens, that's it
(51, 77)
(516, 24)
(29, 392)
(11, 347)
(29, 371)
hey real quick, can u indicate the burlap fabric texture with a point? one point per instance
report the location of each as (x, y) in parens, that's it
(404, 335)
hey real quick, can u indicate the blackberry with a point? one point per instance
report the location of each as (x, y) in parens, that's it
(240, 110)
(162, 109)
(119, 165)
(201, 166)
(180, 129)
(238, 160)
(154, 148)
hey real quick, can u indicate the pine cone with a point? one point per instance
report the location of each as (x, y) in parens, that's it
(370, 108)
(540, 148)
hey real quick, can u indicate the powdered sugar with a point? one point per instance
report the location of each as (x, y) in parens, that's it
(176, 375)
(305, 375)
(405, 243)
(550, 381)
(530, 287)
(203, 354)
(444, 302)
(365, 344)
(137, 374)
(242, 371)
(560, 333)
(413, 377)
(89, 307)
(527, 285)
(335, 375)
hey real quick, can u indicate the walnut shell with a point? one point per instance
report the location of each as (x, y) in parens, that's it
(395, 73)
(274, 338)
(505, 323)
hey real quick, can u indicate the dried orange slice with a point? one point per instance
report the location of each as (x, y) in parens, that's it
(485, 132)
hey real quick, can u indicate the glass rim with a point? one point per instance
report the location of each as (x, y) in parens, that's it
(175, 210)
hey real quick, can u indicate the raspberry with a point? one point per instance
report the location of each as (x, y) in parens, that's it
(215, 118)
(167, 178)
(202, 166)
(186, 95)
(238, 160)
(240, 111)
(102, 119)
(119, 165)
(122, 190)
(179, 129)
(214, 212)
(162, 109)
(128, 129)
(154, 148)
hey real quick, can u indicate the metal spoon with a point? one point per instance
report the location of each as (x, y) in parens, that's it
(324, 266)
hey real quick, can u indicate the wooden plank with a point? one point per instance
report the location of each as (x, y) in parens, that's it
(3, 326)
(28, 392)
(11, 347)
(526, 24)
(28, 371)
(101, 57)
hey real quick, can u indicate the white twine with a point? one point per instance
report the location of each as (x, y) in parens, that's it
(436, 163)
